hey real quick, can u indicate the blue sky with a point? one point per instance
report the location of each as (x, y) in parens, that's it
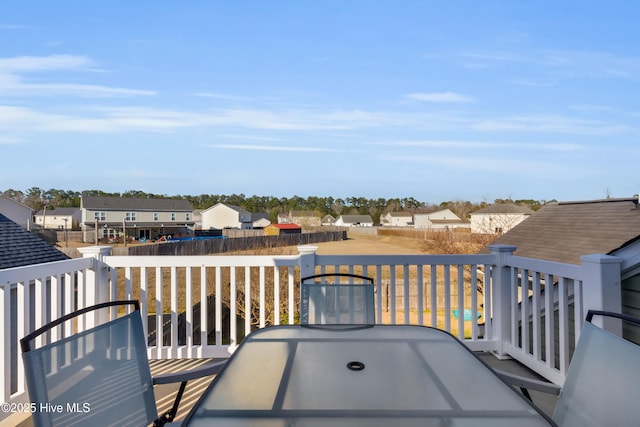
(436, 100)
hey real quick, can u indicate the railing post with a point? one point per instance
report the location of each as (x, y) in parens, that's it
(601, 288)
(501, 286)
(97, 281)
(307, 260)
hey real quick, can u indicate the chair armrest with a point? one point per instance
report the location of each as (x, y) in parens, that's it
(182, 376)
(528, 383)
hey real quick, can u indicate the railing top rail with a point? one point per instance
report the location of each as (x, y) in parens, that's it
(425, 259)
(30, 272)
(549, 267)
(202, 260)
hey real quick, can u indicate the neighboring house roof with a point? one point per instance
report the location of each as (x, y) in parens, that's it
(563, 232)
(59, 211)
(400, 214)
(286, 226)
(135, 204)
(255, 216)
(504, 208)
(19, 247)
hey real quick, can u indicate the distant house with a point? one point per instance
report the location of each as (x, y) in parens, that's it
(498, 218)
(16, 212)
(260, 220)
(327, 220)
(354, 221)
(281, 229)
(197, 219)
(563, 232)
(440, 220)
(222, 215)
(397, 219)
(59, 218)
(305, 219)
(20, 247)
(111, 217)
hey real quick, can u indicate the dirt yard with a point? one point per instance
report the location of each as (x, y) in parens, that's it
(366, 244)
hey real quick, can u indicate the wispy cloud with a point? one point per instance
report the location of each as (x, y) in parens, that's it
(13, 83)
(551, 124)
(440, 97)
(45, 63)
(471, 145)
(566, 63)
(511, 166)
(250, 137)
(272, 148)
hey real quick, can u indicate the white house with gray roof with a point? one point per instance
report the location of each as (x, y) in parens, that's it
(140, 218)
(354, 221)
(498, 218)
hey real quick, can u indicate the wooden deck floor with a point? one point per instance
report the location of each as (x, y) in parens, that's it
(165, 394)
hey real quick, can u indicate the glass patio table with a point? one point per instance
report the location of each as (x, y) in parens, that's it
(383, 375)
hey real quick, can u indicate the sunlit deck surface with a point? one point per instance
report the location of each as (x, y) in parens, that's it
(166, 393)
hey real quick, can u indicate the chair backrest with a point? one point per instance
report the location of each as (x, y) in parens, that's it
(602, 387)
(95, 377)
(350, 303)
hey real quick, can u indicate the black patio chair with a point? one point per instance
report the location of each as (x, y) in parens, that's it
(99, 376)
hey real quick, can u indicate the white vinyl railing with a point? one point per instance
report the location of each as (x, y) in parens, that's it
(202, 306)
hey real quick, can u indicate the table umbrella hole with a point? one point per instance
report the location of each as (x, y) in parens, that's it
(355, 366)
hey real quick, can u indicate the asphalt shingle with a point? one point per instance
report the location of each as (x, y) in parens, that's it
(19, 247)
(565, 231)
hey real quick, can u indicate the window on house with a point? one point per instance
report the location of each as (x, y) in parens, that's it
(130, 216)
(156, 216)
(188, 217)
(173, 216)
(100, 216)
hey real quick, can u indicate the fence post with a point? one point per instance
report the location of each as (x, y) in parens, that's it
(501, 288)
(97, 281)
(307, 260)
(601, 288)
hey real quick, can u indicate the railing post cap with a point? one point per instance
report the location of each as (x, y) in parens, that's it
(601, 259)
(92, 251)
(502, 248)
(307, 249)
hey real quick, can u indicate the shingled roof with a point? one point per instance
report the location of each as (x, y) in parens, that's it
(135, 204)
(19, 247)
(565, 231)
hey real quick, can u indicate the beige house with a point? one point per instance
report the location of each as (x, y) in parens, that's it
(397, 219)
(222, 215)
(138, 218)
(59, 218)
(441, 220)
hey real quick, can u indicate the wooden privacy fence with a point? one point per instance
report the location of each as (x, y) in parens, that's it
(220, 245)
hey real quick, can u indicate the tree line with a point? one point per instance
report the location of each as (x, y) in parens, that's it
(37, 198)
